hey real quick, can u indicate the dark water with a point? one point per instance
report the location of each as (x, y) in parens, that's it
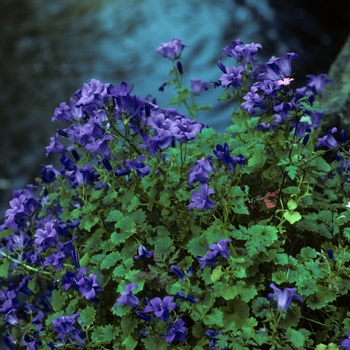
(50, 47)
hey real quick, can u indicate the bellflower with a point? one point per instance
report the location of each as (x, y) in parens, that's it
(200, 172)
(143, 253)
(100, 146)
(242, 52)
(223, 154)
(176, 331)
(161, 307)
(233, 77)
(17, 208)
(346, 342)
(252, 100)
(55, 146)
(48, 174)
(127, 297)
(11, 317)
(55, 260)
(213, 335)
(62, 113)
(197, 86)
(201, 199)
(46, 237)
(64, 326)
(141, 168)
(209, 259)
(187, 129)
(221, 247)
(318, 82)
(88, 286)
(284, 298)
(90, 93)
(278, 68)
(171, 49)
(328, 140)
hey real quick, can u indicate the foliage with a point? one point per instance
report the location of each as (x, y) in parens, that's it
(158, 232)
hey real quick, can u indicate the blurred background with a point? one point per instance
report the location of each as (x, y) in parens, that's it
(49, 48)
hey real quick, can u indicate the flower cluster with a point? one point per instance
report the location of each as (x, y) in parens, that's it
(110, 248)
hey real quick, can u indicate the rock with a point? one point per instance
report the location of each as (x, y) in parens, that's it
(336, 96)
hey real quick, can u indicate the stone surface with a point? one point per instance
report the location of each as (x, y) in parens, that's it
(336, 96)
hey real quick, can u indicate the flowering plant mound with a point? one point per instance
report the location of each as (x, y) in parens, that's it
(156, 232)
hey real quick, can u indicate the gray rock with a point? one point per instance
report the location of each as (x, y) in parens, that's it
(336, 96)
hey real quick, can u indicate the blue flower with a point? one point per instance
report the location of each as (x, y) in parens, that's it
(223, 154)
(278, 68)
(143, 253)
(171, 49)
(213, 335)
(127, 297)
(346, 342)
(161, 307)
(328, 140)
(221, 247)
(233, 77)
(284, 298)
(176, 331)
(64, 326)
(197, 86)
(201, 199)
(200, 172)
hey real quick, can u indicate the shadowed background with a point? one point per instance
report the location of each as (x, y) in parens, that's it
(49, 48)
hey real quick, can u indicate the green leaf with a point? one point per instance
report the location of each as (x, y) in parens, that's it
(292, 204)
(308, 253)
(110, 260)
(291, 318)
(295, 337)
(292, 171)
(84, 261)
(198, 246)
(224, 96)
(6, 233)
(236, 315)
(4, 267)
(321, 299)
(292, 217)
(128, 325)
(129, 343)
(216, 318)
(216, 274)
(87, 316)
(104, 334)
(135, 202)
(58, 300)
(114, 216)
(204, 108)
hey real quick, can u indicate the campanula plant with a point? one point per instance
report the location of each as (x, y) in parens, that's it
(156, 232)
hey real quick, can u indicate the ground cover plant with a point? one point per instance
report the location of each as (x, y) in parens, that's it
(156, 232)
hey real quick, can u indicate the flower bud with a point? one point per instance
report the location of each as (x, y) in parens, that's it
(144, 316)
(343, 137)
(62, 133)
(107, 164)
(305, 139)
(178, 272)
(147, 110)
(179, 67)
(222, 67)
(330, 254)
